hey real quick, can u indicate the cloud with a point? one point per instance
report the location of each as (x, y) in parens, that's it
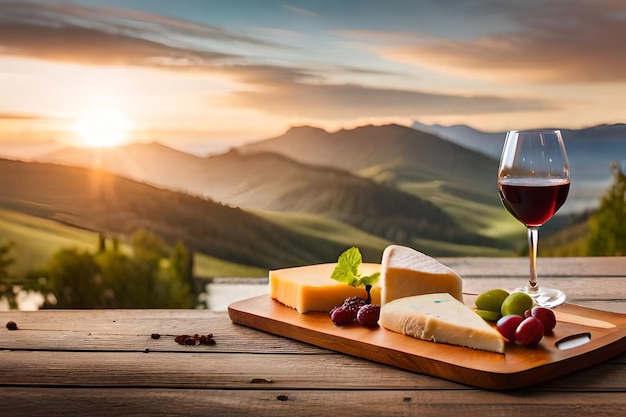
(109, 36)
(552, 42)
(349, 101)
(80, 45)
(18, 116)
(112, 36)
(299, 10)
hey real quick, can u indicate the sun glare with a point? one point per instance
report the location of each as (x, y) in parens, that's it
(102, 127)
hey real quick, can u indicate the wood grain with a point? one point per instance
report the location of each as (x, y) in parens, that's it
(303, 403)
(251, 372)
(105, 363)
(517, 367)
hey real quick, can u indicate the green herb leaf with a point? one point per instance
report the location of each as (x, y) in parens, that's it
(347, 269)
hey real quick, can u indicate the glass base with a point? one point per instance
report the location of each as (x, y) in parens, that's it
(545, 297)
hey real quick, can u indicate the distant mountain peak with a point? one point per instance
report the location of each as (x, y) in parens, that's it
(306, 129)
(376, 127)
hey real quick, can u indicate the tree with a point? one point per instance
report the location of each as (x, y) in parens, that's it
(181, 265)
(72, 278)
(124, 282)
(109, 278)
(6, 281)
(607, 226)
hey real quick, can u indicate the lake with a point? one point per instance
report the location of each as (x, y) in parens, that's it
(223, 291)
(218, 294)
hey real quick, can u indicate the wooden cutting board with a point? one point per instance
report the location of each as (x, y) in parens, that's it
(518, 367)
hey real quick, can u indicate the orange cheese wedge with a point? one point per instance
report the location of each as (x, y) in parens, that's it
(310, 288)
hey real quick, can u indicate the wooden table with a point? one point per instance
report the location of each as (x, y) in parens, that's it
(105, 362)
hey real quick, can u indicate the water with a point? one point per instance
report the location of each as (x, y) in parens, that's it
(218, 294)
(223, 291)
(26, 301)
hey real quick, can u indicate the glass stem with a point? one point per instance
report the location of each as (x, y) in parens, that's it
(533, 288)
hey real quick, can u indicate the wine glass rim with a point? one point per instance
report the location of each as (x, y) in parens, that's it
(535, 131)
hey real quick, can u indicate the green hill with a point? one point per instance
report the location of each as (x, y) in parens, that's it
(269, 181)
(397, 183)
(102, 202)
(461, 182)
(37, 239)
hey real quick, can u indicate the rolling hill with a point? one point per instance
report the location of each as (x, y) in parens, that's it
(152, 163)
(99, 201)
(37, 239)
(458, 180)
(265, 180)
(392, 154)
(590, 151)
(397, 183)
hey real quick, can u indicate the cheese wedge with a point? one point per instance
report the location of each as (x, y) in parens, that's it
(310, 288)
(406, 272)
(440, 318)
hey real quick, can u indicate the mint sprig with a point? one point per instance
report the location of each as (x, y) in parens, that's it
(347, 271)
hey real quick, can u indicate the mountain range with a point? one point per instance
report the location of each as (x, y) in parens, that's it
(373, 177)
(432, 188)
(590, 152)
(456, 160)
(117, 207)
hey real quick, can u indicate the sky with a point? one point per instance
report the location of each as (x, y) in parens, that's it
(203, 75)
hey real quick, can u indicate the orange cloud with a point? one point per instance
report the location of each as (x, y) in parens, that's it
(107, 36)
(97, 36)
(18, 116)
(559, 42)
(345, 101)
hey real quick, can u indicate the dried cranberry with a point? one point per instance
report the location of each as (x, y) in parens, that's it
(196, 339)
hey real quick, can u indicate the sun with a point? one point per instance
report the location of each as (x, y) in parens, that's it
(102, 127)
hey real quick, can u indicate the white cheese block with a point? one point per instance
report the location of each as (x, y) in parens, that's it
(406, 272)
(440, 318)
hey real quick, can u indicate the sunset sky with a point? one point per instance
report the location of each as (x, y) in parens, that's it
(202, 75)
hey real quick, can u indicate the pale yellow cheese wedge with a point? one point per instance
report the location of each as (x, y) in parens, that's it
(440, 318)
(310, 288)
(406, 272)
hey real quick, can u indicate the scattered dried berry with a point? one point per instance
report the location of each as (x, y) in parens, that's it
(155, 335)
(11, 325)
(195, 340)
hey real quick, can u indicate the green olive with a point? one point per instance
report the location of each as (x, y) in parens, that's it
(489, 315)
(517, 303)
(491, 300)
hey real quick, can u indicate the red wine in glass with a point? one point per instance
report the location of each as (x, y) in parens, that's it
(533, 182)
(533, 201)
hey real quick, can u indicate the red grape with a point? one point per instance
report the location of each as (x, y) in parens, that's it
(507, 326)
(368, 315)
(355, 309)
(346, 312)
(354, 303)
(342, 315)
(546, 316)
(529, 332)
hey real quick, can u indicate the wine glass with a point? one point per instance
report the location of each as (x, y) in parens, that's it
(533, 182)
